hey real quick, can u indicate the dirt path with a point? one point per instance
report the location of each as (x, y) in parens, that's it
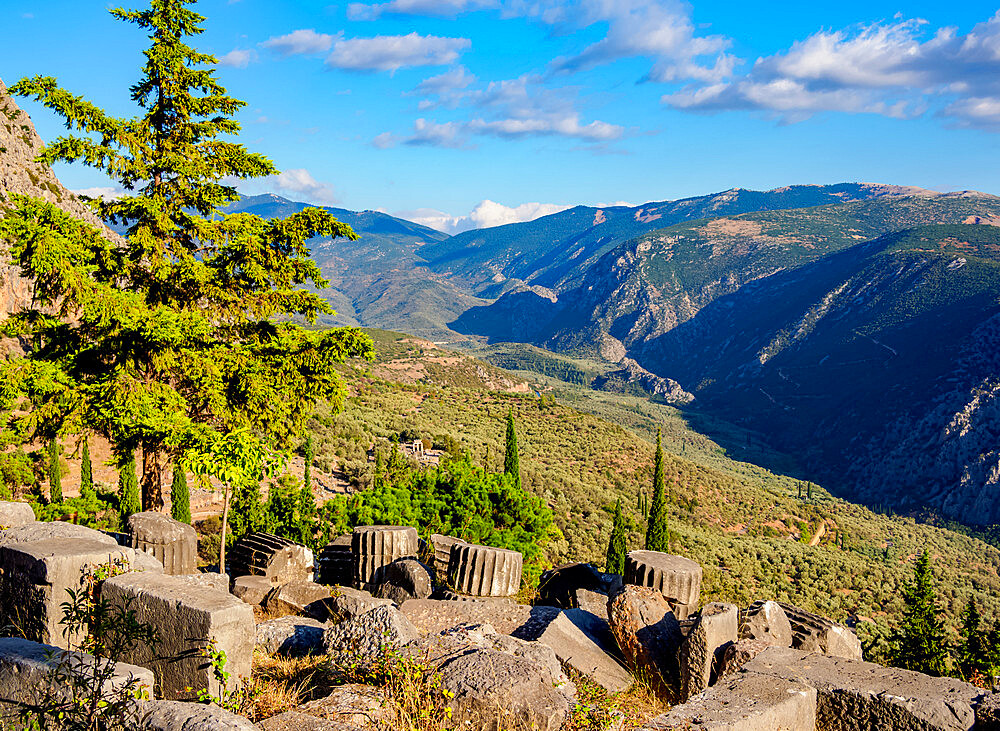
(820, 532)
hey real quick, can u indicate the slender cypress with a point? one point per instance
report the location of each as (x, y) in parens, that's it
(510, 460)
(87, 491)
(920, 642)
(180, 496)
(55, 476)
(974, 652)
(615, 562)
(657, 536)
(307, 472)
(129, 500)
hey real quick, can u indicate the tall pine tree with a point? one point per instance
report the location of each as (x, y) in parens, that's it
(129, 500)
(617, 548)
(920, 643)
(180, 496)
(657, 533)
(975, 655)
(55, 473)
(511, 465)
(87, 491)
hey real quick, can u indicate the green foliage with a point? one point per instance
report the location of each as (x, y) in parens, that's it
(55, 473)
(16, 472)
(308, 456)
(511, 465)
(180, 496)
(617, 546)
(977, 655)
(180, 333)
(86, 473)
(129, 500)
(657, 531)
(919, 644)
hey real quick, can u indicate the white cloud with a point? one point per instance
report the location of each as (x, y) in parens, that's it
(304, 41)
(238, 58)
(452, 80)
(106, 193)
(566, 126)
(390, 53)
(486, 214)
(448, 134)
(297, 183)
(384, 141)
(438, 8)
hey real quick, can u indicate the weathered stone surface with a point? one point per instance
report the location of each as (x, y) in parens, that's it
(348, 603)
(182, 716)
(187, 617)
(594, 602)
(988, 713)
(568, 586)
(441, 547)
(148, 563)
(746, 702)
(335, 561)
(484, 570)
(14, 515)
(38, 566)
(207, 580)
(739, 654)
(766, 621)
(291, 636)
(347, 708)
(172, 543)
(25, 668)
(252, 589)
(702, 650)
(376, 546)
(676, 577)
(649, 636)
(298, 721)
(365, 638)
(298, 597)
(853, 695)
(406, 579)
(813, 633)
(277, 558)
(432, 616)
(585, 643)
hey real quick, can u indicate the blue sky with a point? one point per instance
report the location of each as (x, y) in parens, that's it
(460, 113)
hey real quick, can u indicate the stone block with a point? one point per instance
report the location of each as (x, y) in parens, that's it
(188, 617)
(252, 589)
(484, 570)
(376, 546)
(335, 562)
(346, 708)
(172, 543)
(26, 674)
(988, 713)
(739, 654)
(676, 577)
(562, 586)
(432, 616)
(813, 633)
(585, 643)
(298, 597)
(346, 602)
(702, 650)
(441, 547)
(853, 695)
(649, 636)
(298, 721)
(14, 515)
(746, 702)
(277, 558)
(766, 621)
(366, 638)
(406, 579)
(37, 573)
(181, 716)
(290, 636)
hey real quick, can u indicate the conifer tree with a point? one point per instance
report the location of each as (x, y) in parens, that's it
(87, 491)
(975, 654)
(169, 340)
(657, 533)
(510, 460)
(617, 548)
(920, 644)
(307, 471)
(129, 500)
(55, 475)
(180, 496)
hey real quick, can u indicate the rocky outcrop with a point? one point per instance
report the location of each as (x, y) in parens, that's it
(632, 376)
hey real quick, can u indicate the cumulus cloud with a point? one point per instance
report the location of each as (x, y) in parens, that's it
(390, 53)
(896, 69)
(238, 58)
(486, 214)
(106, 193)
(299, 42)
(300, 184)
(438, 8)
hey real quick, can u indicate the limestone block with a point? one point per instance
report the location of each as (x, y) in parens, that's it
(277, 558)
(26, 667)
(406, 579)
(988, 713)
(561, 586)
(746, 702)
(431, 616)
(853, 695)
(181, 716)
(813, 633)
(702, 650)
(484, 570)
(649, 636)
(349, 707)
(14, 515)
(187, 617)
(173, 543)
(676, 577)
(376, 546)
(347, 603)
(366, 638)
(441, 546)
(291, 636)
(298, 597)
(739, 654)
(585, 643)
(335, 562)
(252, 589)
(766, 621)
(36, 575)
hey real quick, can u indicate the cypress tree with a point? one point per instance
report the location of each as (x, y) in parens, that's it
(510, 461)
(974, 653)
(129, 500)
(180, 496)
(55, 476)
(615, 562)
(307, 472)
(87, 491)
(657, 535)
(920, 642)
